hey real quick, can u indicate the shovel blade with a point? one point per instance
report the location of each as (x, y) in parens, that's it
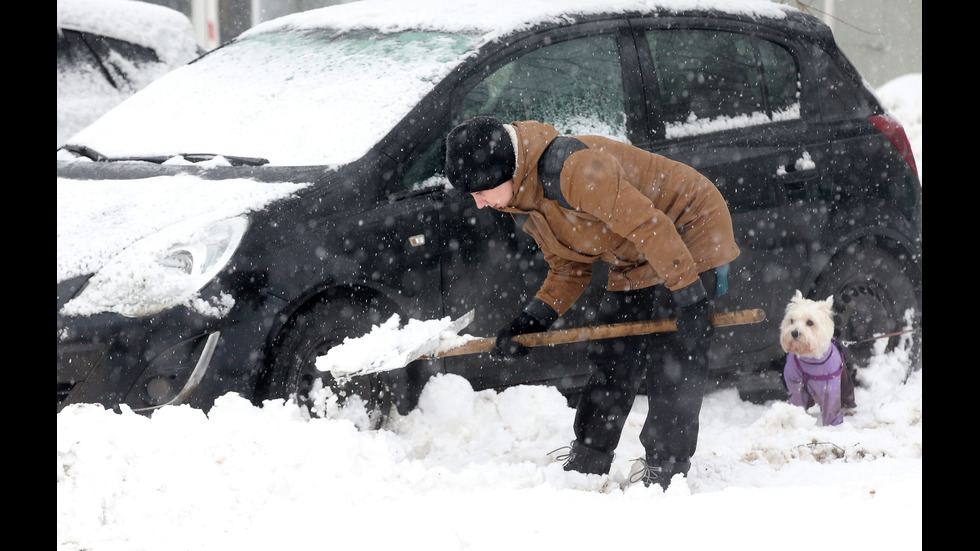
(387, 347)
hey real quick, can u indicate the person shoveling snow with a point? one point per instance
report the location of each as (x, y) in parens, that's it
(388, 346)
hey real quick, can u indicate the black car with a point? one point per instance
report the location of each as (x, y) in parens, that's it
(351, 105)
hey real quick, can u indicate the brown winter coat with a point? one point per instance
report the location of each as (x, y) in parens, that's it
(652, 219)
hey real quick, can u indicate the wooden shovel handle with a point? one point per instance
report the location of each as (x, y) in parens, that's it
(595, 332)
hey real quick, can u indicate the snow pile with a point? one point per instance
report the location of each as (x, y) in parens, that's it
(472, 470)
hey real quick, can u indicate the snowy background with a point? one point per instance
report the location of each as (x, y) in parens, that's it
(471, 470)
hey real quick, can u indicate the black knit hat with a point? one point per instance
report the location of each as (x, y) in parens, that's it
(479, 155)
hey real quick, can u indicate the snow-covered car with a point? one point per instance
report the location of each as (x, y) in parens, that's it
(237, 218)
(109, 49)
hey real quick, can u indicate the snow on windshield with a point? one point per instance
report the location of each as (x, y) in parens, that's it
(294, 98)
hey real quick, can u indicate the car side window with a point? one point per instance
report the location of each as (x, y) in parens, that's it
(427, 171)
(711, 80)
(782, 77)
(576, 85)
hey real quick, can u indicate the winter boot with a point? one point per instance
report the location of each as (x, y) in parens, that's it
(584, 459)
(650, 471)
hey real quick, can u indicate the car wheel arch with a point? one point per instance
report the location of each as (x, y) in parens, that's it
(369, 303)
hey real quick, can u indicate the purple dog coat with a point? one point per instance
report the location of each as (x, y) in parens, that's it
(824, 382)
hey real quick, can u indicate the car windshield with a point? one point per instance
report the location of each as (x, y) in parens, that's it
(309, 97)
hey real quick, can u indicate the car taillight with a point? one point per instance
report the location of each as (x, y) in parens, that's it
(893, 130)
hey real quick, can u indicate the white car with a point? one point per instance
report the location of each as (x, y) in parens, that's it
(109, 49)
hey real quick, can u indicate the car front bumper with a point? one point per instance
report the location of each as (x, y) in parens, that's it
(146, 363)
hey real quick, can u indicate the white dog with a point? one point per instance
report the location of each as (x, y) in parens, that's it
(815, 371)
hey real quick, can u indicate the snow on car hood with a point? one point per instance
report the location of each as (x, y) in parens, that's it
(97, 219)
(322, 87)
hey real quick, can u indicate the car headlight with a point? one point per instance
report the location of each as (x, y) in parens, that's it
(164, 270)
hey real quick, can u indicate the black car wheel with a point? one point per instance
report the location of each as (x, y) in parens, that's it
(872, 292)
(292, 373)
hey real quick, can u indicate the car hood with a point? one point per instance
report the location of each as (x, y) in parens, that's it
(98, 219)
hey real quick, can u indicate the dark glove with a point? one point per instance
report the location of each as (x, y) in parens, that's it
(694, 318)
(537, 316)
(693, 315)
(509, 349)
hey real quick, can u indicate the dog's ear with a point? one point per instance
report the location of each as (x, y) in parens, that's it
(829, 301)
(798, 296)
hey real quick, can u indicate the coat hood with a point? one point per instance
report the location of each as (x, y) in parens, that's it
(532, 139)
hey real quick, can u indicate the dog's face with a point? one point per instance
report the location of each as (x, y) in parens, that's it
(807, 327)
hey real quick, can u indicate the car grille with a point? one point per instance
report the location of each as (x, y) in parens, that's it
(75, 362)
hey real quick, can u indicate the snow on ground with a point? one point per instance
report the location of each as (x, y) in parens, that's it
(472, 470)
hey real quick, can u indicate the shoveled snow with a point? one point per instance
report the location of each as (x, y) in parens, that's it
(391, 346)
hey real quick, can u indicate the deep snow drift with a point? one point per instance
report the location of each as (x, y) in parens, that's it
(471, 470)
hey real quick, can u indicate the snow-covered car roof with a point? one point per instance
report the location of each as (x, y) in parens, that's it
(165, 31)
(333, 81)
(492, 18)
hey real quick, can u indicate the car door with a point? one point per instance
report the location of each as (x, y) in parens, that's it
(575, 78)
(725, 100)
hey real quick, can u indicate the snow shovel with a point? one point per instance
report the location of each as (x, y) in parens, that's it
(388, 347)
(596, 332)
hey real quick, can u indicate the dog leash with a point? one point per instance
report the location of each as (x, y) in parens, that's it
(876, 337)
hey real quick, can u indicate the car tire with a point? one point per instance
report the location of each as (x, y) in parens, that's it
(292, 372)
(872, 291)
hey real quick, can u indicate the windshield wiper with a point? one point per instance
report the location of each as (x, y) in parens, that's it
(235, 160)
(86, 151)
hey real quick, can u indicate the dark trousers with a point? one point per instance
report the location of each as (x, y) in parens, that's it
(673, 365)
